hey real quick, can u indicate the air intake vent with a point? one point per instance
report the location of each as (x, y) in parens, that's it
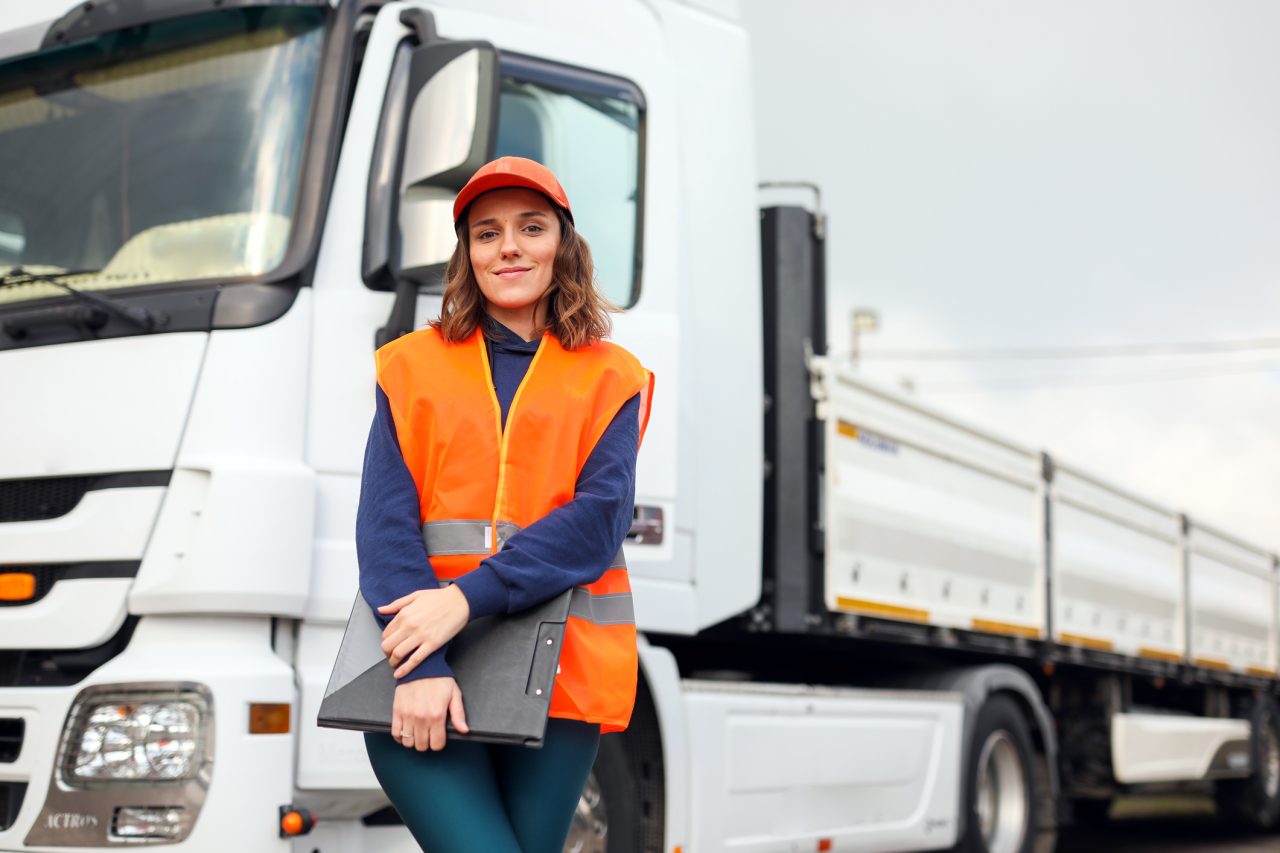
(11, 732)
(11, 794)
(36, 500)
(42, 498)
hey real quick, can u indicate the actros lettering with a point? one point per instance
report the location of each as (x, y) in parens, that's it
(71, 820)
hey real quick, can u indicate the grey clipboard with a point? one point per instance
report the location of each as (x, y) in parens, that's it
(505, 667)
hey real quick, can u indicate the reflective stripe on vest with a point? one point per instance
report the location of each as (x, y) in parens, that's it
(450, 537)
(598, 609)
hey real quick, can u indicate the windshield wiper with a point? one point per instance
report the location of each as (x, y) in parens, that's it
(140, 317)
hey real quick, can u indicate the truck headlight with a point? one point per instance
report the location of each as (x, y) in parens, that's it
(135, 737)
(133, 766)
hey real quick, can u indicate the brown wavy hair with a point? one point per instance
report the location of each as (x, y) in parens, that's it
(577, 313)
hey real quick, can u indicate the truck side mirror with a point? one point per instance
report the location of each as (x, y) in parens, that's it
(439, 125)
(450, 132)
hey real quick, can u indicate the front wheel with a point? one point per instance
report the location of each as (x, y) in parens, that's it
(620, 809)
(1001, 797)
(589, 832)
(1255, 801)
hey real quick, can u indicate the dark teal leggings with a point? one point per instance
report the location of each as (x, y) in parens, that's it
(483, 798)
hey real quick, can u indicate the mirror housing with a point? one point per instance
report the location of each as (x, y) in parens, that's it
(439, 125)
(450, 133)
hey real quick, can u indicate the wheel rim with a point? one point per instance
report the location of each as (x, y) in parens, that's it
(1271, 762)
(589, 832)
(1001, 799)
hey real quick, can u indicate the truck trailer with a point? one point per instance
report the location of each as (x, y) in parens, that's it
(865, 625)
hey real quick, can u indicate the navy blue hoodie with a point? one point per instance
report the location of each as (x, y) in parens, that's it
(571, 546)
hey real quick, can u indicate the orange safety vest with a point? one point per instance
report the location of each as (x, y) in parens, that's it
(474, 478)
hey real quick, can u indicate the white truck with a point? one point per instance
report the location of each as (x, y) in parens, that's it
(864, 624)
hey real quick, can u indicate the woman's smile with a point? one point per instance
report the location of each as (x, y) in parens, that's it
(514, 237)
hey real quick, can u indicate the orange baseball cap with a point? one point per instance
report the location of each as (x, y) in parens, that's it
(511, 172)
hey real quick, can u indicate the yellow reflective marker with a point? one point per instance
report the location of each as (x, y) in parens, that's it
(876, 608)
(1095, 643)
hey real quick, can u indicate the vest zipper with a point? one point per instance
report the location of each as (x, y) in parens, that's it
(503, 433)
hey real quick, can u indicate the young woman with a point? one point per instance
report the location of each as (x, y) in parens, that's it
(502, 457)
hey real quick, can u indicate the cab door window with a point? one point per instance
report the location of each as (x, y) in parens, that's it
(588, 128)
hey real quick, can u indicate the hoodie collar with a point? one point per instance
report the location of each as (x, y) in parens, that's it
(508, 342)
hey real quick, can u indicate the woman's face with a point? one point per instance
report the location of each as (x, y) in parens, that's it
(514, 235)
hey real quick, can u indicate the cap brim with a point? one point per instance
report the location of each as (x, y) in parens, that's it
(499, 181)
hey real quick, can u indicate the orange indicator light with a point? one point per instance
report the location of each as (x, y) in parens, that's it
(295, 821)
(268, 719)
(17, 586)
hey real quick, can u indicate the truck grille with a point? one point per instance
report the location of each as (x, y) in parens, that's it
(36, 500)
(60, 667)
(42, 498)
(11, 733)
(11, 794)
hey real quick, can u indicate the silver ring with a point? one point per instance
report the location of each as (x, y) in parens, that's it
(406, 736)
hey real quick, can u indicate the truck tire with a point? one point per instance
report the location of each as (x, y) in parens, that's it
(608, 819)
(1001, 800)
(1255, 801)
(1093, 812)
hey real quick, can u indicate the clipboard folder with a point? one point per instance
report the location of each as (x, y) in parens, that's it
(505, 667)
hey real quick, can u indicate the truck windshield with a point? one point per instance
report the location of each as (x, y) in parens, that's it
(161, 153)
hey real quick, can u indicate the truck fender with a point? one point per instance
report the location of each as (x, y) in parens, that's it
(975, 684)
(659, 671)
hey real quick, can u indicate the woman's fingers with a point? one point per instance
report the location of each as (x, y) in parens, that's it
(416, 656)
(401, 644)
(422, 732)
(438, 735)
(456, 712)
(420, 710)
(400, 602)
(399, 651)
(391, 638)
(429, 619)
(403, 728)
(409, 654)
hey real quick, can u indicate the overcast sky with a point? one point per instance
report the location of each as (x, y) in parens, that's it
(1004, 174)
(1016, 173)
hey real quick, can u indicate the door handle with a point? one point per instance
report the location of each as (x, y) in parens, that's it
(646, 525)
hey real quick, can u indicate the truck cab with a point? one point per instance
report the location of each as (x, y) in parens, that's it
(205, 213)
(864, 624)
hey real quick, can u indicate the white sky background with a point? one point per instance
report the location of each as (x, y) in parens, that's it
(1003, 174)
(1007, 173)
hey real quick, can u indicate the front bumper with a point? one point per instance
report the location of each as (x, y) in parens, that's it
(248, 777)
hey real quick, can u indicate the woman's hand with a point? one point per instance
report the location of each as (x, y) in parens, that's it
(419, 711)
(424, 621)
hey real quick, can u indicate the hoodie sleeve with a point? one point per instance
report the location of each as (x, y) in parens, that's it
(393, 560)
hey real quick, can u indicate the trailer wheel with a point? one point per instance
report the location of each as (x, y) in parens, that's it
(1093, 812)
(1001, 797)
(1255, 801)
